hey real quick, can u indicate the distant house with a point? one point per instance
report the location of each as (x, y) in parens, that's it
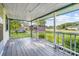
(21, 29)
(72, 28)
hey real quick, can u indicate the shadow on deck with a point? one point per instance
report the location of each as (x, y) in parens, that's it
(31, 47)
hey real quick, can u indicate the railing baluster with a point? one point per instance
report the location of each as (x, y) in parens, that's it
(63, 39)
(75, 42)
(65, 42)
(70, 42)
(58, 38)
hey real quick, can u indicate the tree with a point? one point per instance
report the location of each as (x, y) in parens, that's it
(63, 26)
(14, 24)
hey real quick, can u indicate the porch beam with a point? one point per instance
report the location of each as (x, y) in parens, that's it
(18, 19)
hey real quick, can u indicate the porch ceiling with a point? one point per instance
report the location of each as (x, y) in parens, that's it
(30, 11)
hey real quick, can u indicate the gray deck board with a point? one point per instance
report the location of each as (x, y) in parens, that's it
(26, 51)
(6, 48)
(18, 49)
(31, 51)
(43, 51)
(39, 51)
(9, 50)
(14, 50)
(29, 47)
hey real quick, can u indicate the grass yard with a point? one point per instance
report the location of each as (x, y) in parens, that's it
(20, 35)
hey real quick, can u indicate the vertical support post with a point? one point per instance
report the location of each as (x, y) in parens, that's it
(58, 38)
(70, 42)
(44, 30)
(37, 27)
(9, 27)
(75, 42)
(31, 30)
(36, 30)
(54, 30)
(63, 40)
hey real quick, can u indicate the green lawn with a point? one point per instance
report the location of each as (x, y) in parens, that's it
(20, 35)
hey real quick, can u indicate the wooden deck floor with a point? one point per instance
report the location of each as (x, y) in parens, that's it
(28, 47)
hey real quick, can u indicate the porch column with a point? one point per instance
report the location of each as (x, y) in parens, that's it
(9, 27)
(54, 30)
(31, 29)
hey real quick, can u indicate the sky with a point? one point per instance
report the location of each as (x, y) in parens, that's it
(68, 17)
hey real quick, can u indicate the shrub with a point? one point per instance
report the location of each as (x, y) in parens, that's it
(41, 36)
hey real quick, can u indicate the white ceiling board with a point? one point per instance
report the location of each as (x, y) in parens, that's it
(46, 8)
(30, 11)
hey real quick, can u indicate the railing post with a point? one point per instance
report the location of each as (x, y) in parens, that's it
(31, 29)
(75, 42)
(63, 39)
(36, 30)
(58, 38)
(70, 42)
(9, 27)
(54, 30)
